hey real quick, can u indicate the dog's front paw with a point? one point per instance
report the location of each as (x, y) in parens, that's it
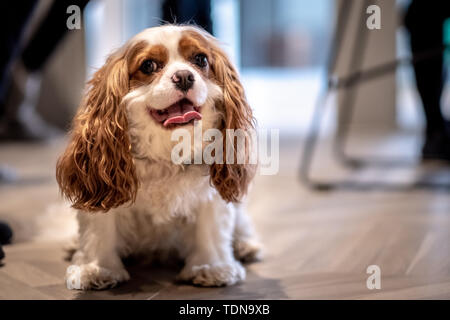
(215, 275)
(91, 276)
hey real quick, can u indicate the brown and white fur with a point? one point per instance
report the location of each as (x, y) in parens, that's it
(117, 169)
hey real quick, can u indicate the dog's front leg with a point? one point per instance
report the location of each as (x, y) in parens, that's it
(210, 261)
(96, 263)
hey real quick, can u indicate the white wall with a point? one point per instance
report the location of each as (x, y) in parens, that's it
(375, 100)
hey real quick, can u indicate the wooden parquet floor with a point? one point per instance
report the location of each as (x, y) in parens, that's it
(318, 245)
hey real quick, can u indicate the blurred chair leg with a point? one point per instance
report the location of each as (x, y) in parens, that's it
(310, 144)
(347, 105)
(320, 106)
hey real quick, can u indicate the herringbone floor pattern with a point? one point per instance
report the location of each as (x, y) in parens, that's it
(318, 245)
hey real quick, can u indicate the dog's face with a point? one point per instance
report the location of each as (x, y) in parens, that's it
(173, 83)
(162, 79)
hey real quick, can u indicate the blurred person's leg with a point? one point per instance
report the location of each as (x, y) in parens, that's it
(424, 21)
(12, 26)
(48, 35)
(15, 18)
(20, 120)
(188, 11)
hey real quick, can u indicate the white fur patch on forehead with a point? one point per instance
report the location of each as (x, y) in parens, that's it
(168, 36)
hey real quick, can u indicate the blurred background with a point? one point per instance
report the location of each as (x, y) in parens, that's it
(363, 154)
(280, 47)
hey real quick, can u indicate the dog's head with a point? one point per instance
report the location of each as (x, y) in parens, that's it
(162, 79)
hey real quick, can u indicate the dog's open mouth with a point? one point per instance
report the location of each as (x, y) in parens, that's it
(181, 112)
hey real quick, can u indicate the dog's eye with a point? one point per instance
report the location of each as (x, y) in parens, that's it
(148, 66)
(201, 60)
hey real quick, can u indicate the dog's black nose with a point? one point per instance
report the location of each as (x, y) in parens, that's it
(183, 79)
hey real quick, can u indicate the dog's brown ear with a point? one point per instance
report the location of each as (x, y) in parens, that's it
(96, 171)
(232, 179)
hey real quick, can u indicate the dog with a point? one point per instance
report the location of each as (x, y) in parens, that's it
(117, 169)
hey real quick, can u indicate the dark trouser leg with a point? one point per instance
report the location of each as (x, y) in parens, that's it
(20, 121)
(425, 23)
(49, 34)
(429, 75)
(15, 18)
(188, 11)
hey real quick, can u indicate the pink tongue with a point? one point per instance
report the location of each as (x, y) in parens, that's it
(181, 112)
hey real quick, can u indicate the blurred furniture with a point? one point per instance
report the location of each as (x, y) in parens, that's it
(347, 86)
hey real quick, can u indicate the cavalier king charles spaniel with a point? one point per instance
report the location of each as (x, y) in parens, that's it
(132, 200)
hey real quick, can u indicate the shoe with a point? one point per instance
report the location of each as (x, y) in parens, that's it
(436, 147)
(8, 175)
(21, 131)
(6, 233)
(5, 237)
